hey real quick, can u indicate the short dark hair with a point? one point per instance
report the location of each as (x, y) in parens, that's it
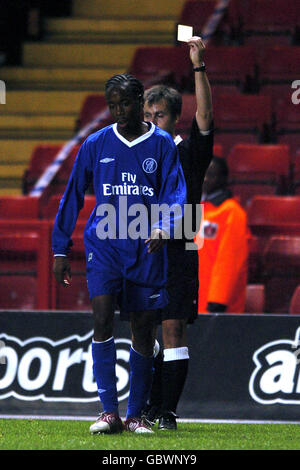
(125, 79)
(170, 95)
(223, 167)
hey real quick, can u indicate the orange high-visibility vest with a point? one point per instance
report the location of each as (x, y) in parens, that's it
(223, 256)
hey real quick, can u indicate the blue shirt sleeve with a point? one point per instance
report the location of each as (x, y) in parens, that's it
(172, 195)
(72, 201)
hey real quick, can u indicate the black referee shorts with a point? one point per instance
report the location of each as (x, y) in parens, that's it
(182, 284)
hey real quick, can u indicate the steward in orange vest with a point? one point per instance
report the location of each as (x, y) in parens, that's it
(224, 236)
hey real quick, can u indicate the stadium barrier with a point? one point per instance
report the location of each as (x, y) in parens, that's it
(242, 367)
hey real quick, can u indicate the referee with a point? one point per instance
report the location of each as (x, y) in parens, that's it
(163, 108)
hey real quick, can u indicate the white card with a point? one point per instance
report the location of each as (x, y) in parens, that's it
(184, 33)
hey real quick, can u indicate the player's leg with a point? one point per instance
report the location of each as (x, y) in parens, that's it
(143, 328)
(174, 369)
(104, 363)
(153, 406)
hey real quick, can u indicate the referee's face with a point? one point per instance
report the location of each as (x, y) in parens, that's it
(159, 114)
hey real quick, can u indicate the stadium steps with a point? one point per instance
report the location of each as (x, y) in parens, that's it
(100, 30)
(54, 78)
(76, 57)
(168, 9)
(15, 155)
(39, 126)
(79, 55)
(43, 102)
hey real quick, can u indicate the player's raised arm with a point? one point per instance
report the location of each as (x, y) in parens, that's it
(204, 112)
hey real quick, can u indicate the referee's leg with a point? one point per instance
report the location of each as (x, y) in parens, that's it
(174, 333)
(174, 369)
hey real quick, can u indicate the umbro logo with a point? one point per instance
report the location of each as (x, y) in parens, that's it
(154, 296)
(107, 160)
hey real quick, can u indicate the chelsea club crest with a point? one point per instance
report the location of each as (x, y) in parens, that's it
(149, 165)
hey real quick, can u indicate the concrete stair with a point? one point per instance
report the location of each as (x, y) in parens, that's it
(58, 78)
(76, 57)
(151, 10)
(45, 103)
(138, 30)
(14, 157)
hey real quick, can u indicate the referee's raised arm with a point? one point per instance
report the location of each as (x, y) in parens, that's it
(204, 114)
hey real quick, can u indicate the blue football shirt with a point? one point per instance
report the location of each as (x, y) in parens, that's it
(145, 171)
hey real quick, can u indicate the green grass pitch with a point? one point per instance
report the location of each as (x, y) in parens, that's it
(34, 434)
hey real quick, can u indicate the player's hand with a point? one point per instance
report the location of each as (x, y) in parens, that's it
(156, 240)
(62, 270)
(197, 49)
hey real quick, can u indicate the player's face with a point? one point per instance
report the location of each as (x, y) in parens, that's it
(159, 114)
(124, 108)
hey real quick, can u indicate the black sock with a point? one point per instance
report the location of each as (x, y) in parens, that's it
(174, 375)
(156, 390)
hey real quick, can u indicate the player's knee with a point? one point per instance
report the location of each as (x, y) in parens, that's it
(143, 344)
(143, 328)
(103, 326)
(103, 314)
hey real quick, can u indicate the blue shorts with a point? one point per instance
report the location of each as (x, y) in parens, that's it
(131, 297)
(128, 272)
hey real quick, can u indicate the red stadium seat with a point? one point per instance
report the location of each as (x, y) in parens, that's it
(249, 112)
(255, 298)
(93, 105)
(278, 66)
(256, 250)
(283, 253)
(18, 292)
(197, 14)
(19, 207)
(269, 21)
(241, 118)
(258, 169)
(59, 183)
(41, 157)
(295, 302)
(229, 139)
(153, 65)
(288, 122)
(296, 173)
(231, 67)
(187, 114)
(50, 210)
(76, 296)
(274, 215)
(25, 264)
(281, 271)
